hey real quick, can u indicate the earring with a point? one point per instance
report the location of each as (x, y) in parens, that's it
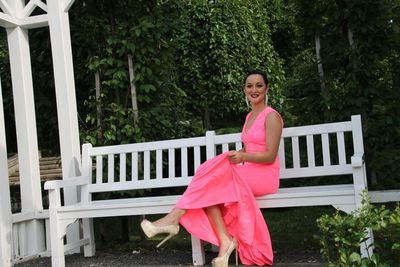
(247, 101)
(266, 99)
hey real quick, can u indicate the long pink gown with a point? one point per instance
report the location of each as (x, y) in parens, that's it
(217, 181)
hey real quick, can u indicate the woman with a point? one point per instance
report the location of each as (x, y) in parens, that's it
(219, 204)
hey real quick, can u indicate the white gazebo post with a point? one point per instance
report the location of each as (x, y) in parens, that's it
(66, 99)
(5, 205)
(16, 16)
(25, 121)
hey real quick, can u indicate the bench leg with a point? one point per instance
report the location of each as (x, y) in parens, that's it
(88, 233)
(56, 240)
(366, 248)
(198, 251)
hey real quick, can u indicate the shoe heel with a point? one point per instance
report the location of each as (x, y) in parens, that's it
(236, 255)
(165, 239)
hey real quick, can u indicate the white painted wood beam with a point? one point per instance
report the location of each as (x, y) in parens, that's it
(68, 4)
(5, 7)
(7, 21)
(28, 9)
(5, 204)
(41, 5)
(38, 21)
(66, 100)
(25, 120)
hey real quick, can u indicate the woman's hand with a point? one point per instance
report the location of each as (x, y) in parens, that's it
(235, 157)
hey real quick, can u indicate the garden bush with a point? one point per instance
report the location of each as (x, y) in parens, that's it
(341, 234)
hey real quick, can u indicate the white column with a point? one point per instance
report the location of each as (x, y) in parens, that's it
(5, 205)
(25, 120)
(66, 99)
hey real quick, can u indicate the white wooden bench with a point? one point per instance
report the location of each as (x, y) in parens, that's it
(331, 149)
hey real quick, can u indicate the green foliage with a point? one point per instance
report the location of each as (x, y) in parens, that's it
(360, 74)
(231, 38)
(144, 34)
(340, 236)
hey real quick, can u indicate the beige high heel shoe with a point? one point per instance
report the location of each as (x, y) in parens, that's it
(152, 230)
(223, 261)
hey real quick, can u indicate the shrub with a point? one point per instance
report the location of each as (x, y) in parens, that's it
(341, 234)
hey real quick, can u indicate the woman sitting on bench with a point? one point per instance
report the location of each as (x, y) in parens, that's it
(219, 204)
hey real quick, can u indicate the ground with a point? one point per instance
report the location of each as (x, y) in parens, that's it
(167, 257)
(293, 232)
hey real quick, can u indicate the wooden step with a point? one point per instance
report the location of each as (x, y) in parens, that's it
(50, 169)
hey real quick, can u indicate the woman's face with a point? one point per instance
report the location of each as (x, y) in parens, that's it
(255, 89)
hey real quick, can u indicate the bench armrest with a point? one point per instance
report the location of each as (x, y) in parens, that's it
(74, 181)
(357, 160)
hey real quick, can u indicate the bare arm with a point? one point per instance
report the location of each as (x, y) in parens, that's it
(273, 124)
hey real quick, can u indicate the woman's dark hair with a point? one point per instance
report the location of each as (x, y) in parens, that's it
(259, 72)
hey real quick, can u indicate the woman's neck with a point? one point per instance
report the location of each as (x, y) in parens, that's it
(258, 108)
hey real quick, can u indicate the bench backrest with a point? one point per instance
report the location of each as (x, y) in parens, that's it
(305, 151)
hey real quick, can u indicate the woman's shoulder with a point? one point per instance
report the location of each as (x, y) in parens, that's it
(273, 115)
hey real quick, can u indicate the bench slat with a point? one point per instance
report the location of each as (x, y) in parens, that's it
(317, 129)
(110, 178)
(316, 171)
(134, 167)
(296, 152)
(99, 169)
(310, 151)
(171, 163)
(122, 167)
(149, 146)
(300, 194)
(225, 147)
(226, 138)
(139, 184)
(184, 161)
(341, 148)
(281, 153)
(146, 165)
(325, 150)
(238, 145)
(196, 157)
(159, 164)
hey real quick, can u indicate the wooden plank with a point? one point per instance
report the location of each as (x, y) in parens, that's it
(159, 164)
(99, 169)
(135, 171)
(341, 148)
(281, 153)
(122, 167)
(296, 152)
(315, 171)
(149, 146)
(196, 157)
(326, 155)
(146, 164)
(310, 151)
(171, 163)
(184, 161)
(317, 129)
(225, 147)
(110, 177)
(238, 145)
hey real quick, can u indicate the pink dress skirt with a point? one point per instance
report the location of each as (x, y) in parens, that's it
(234, 187)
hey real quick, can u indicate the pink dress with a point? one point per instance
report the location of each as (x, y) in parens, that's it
(217, 181)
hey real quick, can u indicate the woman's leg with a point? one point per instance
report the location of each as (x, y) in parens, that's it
(171, 218)
(215, 216)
